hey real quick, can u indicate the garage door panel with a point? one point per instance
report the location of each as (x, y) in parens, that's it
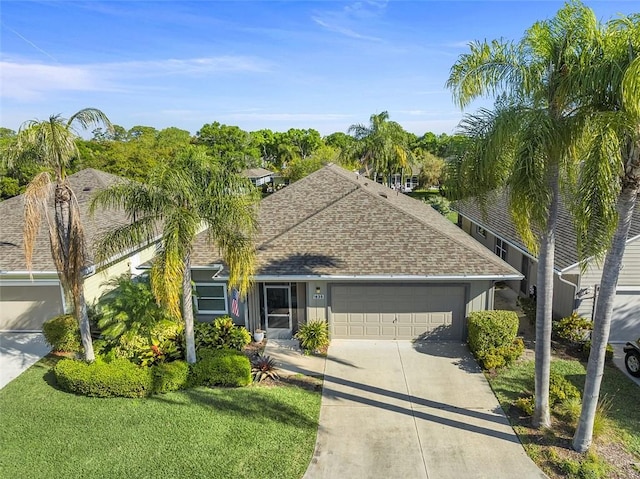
(28, 307)
(625, 320)
(398, 312)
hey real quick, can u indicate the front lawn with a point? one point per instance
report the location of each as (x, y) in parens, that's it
(210, 433)
(618, 446)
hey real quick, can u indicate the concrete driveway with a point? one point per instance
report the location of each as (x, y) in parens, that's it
(392, 409)
(18, 351)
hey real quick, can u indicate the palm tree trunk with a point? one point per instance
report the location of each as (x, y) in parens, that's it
(187, 311)
(83, 321)
(602, 318)
(544, 310)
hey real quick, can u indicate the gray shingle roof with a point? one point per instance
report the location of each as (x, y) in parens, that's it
(334, 223)
(256, 172)
(84, 183)
(497, 220)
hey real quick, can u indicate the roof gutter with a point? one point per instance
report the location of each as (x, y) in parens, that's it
(391, 277)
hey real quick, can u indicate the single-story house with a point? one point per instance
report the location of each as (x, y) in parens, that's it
(258, 176)
(573, 290)
(374, 263)
(28, 298)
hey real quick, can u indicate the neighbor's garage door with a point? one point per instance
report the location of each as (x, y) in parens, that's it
(625, 320)
(27, 307)
(397, 312)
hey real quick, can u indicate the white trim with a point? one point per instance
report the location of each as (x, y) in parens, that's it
(29, 282)
(224, 293)
(390, 277)
(628, 289)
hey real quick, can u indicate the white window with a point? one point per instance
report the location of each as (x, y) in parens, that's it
(501, 249)
(211, 298)
(481, 231)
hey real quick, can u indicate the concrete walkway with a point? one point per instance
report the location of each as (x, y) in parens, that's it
(18, 352)
(392, 409)
(290, 360)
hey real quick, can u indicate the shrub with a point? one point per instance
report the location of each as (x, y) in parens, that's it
(62, 333)
(526, 405)
(313, 336)
(118, 378)
(263, 367)
(221, 367)
(586, 350)
(221, 334)
(573, 328)
(134, 326)
(561, 389)
(592, 467)
(440, 204)
(492, 338)
(171, 376)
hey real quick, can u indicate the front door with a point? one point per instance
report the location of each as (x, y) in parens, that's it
(277, 311)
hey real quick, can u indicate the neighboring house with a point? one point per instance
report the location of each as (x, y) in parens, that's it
(573, 290)
(404, 181)
(28, 298)
(259, 176)
(372, 262)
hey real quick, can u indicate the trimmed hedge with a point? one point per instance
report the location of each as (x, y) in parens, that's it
(492, 337)
(221, 367)
(118, 378)
(62, 333)
(171, 376)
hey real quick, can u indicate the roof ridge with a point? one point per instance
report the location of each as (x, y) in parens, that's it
(448, 234)
(308, 217)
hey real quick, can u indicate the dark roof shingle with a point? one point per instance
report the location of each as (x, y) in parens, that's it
(336, 223)
(497, 219)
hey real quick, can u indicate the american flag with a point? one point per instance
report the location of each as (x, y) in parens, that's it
(235, 300)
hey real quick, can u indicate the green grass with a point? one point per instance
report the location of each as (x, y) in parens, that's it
(214, 433)
(512, 382)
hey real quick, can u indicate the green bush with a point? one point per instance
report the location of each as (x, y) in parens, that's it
(313, 336)
(573, 328)
(561, 389)
(526, 405)
(221, 367)
(171, 376)
(592, 467)
(586, 350)
(62, 333)
(118, 378)
(492, 338)
(222, 333)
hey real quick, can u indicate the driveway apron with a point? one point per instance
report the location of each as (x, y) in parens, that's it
(18, 352)
(393, 409)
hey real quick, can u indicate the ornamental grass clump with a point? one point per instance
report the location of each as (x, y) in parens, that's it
(313, 336)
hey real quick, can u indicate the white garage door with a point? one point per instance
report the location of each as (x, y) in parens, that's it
(625, 320)
(25, 308)
(397, 312)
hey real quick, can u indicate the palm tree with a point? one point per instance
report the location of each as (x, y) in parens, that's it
(180, 198)
(53, 144)
(526, 144)
(609, 184)
(381, 146)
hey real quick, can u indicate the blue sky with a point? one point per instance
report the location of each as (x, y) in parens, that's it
(266, 64)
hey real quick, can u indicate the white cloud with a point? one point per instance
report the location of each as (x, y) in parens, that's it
(352, 18)
(31, 81)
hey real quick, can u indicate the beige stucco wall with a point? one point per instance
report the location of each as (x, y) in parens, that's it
(94, 286)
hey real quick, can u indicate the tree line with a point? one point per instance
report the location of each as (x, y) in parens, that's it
(294, 153)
